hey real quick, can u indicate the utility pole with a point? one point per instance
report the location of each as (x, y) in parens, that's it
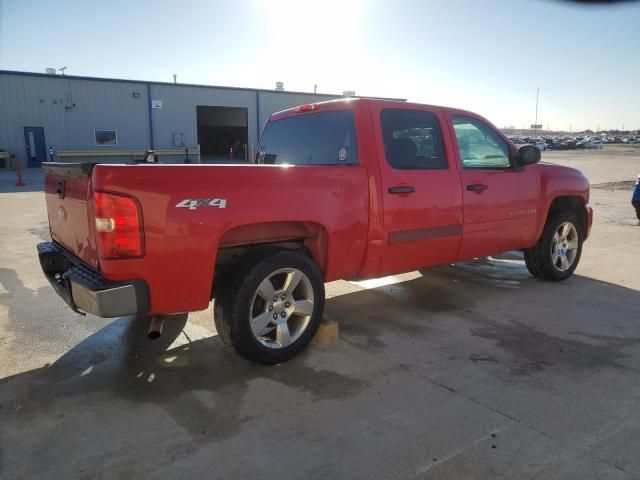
(535, 125)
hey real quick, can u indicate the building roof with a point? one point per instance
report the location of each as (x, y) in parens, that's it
(145, 82)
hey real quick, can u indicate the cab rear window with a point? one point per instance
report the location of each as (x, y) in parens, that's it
(322, 138)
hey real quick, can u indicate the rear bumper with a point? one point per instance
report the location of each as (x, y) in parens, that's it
(588, 216)
(85, 290)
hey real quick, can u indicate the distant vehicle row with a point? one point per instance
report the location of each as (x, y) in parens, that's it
(578, 141)
(560, 143)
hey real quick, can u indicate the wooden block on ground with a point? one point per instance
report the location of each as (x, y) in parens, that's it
(327, 334)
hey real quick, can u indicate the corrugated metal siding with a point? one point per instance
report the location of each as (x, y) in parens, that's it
(40, 101)
(178, 113)
(49, 102)
(28, 102)
(109, 106)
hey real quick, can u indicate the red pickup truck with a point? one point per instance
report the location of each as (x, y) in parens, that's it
(347, 189)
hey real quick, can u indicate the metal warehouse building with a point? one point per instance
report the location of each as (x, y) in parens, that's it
(67, 118)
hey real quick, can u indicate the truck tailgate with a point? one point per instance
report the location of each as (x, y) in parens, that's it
(67, 188)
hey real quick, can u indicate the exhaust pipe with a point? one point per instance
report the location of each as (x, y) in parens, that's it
(155, 327)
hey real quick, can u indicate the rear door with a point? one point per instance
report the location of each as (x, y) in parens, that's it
(422, 197)
(67, 190)
(500, 201)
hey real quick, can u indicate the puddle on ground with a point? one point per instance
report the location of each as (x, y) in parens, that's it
(499, 271)
(533, 350)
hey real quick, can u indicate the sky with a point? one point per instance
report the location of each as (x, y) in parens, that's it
(488, 56)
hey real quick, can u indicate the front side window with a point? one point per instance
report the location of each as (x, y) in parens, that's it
(322, 138)
(479, 145)
(105, 137)
(412, 139)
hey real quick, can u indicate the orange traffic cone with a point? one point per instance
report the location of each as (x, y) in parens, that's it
(19, 182)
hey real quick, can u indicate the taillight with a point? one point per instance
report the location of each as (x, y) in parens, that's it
(118, 226)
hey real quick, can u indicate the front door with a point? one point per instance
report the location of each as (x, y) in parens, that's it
(500, 201)
(35, 146)
(421, 190)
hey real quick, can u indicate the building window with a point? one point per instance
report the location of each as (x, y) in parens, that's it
(105, 138)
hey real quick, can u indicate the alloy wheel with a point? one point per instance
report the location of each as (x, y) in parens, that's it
(282, 307)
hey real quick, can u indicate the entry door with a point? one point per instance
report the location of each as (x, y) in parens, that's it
(35, 146)
(421, 191)
(500, 201)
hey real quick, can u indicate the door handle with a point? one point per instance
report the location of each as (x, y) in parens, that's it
(399, 190)
(477, 187)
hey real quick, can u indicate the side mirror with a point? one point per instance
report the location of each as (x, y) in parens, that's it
(528, 154)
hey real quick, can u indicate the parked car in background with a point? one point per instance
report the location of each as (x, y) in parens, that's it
(540, 145)
(555, 144)
(593, 143)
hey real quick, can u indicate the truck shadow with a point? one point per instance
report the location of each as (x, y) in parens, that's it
(201, 385)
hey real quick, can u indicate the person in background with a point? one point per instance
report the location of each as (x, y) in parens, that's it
(635, 200)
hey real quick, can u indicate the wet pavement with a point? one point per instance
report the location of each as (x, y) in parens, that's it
(469, 371)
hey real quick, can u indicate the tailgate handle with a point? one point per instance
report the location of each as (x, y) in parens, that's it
(402, 190)
(60, 189)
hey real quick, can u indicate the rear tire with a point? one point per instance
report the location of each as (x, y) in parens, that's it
(272, 306)
(557, 253)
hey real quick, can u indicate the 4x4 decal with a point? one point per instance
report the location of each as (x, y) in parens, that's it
(193, 203)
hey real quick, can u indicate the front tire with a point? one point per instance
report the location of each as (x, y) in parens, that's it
(272, 307)
(557, 253)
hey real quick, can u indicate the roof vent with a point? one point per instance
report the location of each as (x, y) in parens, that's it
(50, 71)
(279, 86)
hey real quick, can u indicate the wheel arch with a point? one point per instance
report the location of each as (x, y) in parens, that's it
(572, 203)
(309, 238)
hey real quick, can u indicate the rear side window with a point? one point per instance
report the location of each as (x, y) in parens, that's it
(323, 138)
(412, 139)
